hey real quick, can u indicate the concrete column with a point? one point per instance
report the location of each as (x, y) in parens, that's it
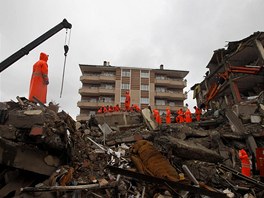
(260, 48)
(235, 91)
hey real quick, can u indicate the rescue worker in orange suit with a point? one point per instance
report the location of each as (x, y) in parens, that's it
(245, 163)
(102, 109)
(39, 79)
(168, 116)
(136, 107)
(117, 108)
(127, 101)
(155, 113)
(180, 116)
(198, 113)
(157, 116)
(110, 108)
(188, 115)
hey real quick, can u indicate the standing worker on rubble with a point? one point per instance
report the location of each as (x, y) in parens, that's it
(245, 163)
(180, 116)
(168, 116)
(127, 101)
(157, 117)
(188, 115)
(198, 113)
(39, 79)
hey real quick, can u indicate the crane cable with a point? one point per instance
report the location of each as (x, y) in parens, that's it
(66, 49)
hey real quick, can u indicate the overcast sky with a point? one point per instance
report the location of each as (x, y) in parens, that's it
(180, 34)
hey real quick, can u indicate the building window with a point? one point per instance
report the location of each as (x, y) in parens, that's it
(144, 87)
(161, 77)
(172, 104)
(107, 86)
(126, 73)
(125, 86)
(108, 74)
(108, 99)
(93, 100)
(144, 100)
(160, 102)
(122, 99)
(160, 89)
(144, 74)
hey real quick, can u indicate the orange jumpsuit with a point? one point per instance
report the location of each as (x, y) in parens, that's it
(155, 113)
(102, 109)
(245, 163)
(158, 119)
(198, 113)
(157, 116)
(180, 117)
(39, 79)
(137, 109)
(127, 101)
(116, 108)
(168, 116)
(188, 116)
(110, 109)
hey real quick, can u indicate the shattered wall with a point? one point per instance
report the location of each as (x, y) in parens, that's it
(235, 73)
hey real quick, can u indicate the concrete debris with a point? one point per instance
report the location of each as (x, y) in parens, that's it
(63, 158)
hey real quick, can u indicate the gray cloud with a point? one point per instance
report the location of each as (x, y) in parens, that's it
(179, 34)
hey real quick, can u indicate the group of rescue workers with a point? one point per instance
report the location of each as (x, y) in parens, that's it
(116, 108)
(182, 116)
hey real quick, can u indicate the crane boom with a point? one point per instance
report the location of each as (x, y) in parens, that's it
(25, 50)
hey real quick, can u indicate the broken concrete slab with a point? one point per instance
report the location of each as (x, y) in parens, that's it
(8, 132)
(244, 110)
(128, 139)
(252, 144)
(149, 119)
(20, 120)
(33, 112)
(105, 128)
(189, 150)
(24, 157)
(115, 119)
(255, 119)
(235, 122)
(15, 185)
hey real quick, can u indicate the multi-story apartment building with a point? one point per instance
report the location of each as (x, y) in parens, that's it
(106, 85)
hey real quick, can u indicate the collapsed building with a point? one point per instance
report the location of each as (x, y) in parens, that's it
(235, 74)
(45, 153)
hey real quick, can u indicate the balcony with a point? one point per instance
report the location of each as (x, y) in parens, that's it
(96, 91)
(82, 117)
(171, 83)
(106, 91)
(172, 108)
(171, 95)
(93, 104)
(105, 78)
(96, 78)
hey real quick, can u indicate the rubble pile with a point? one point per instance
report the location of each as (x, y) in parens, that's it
(45, 153)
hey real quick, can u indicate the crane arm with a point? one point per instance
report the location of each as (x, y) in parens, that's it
(25, 50)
